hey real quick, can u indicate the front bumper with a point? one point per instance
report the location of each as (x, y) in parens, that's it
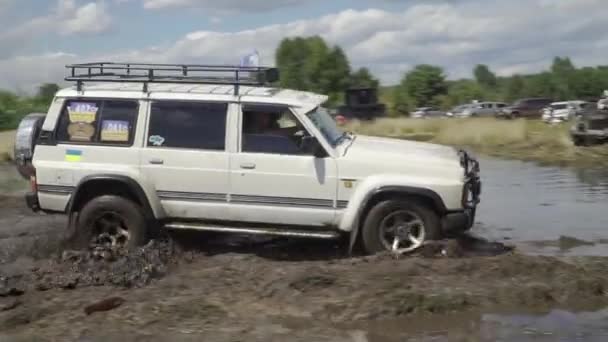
(31, 199)
(459, 222)
(462, 220)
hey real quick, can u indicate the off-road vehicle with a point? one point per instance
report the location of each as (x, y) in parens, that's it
(591, 125)
(211, 148)
(361, 103)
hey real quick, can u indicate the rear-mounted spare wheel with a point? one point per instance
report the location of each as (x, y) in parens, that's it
(25, 143)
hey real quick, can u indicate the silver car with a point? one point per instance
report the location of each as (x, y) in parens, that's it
(427, 112)
(480, 109)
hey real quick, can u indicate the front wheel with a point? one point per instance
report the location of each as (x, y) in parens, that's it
(399, 226)
(110, 222)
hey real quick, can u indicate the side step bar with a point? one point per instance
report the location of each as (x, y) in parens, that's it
(294, 233)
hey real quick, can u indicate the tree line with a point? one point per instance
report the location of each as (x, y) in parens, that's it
(14, 107)
(309, 63)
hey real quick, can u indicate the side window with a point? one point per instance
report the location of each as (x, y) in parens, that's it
(270, 129)
(190, 125)
(92, 121)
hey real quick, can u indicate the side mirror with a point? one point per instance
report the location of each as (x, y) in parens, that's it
(311, 145)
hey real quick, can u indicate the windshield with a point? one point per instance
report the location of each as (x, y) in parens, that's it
(559, 106)
(326, 125)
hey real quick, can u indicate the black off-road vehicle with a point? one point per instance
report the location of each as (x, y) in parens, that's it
(361, 103)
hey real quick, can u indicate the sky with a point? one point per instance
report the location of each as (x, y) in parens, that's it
(38, 37)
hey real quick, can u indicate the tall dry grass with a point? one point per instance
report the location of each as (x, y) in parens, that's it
(7, 140)
(520, 139)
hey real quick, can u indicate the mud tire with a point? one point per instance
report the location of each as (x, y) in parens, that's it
(131, 214)
(370, 237)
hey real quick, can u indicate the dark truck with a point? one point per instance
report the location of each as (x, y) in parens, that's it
(591, 125)
(361, 103)
(525, 108)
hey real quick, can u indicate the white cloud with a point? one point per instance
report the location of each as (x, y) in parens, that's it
(64, 18)
(90, 18)
(511, 37)
(224, 5)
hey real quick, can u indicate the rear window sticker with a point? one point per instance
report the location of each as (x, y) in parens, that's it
(115, 130)
(156, 140)
(80, 131)
(85, 112)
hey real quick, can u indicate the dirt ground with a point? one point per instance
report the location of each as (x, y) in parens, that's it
(219, 288)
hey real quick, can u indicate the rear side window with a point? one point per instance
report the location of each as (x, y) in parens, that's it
(190, 125)
(92, 121)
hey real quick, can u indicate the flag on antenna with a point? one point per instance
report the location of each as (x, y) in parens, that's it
(251, 60)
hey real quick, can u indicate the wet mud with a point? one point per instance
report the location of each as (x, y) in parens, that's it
(189, 286)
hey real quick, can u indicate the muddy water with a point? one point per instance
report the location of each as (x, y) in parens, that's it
(547, 210)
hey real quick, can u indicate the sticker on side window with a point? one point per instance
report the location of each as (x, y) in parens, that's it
(80, 131)
(81, 116)
(156, 140)
(115, 130)
(85, 112)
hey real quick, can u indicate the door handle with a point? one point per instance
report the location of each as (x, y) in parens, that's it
(248, 166)
(156, 161)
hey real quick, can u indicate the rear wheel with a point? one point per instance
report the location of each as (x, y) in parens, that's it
(111, 222)
(399, 226)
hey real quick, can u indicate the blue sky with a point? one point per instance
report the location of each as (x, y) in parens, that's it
(37, 37)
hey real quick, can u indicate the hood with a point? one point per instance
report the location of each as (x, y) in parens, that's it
(379, 155)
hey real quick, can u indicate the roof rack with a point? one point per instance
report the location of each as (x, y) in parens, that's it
(170, 73)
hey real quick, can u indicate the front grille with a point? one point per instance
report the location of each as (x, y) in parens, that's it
(598, 124)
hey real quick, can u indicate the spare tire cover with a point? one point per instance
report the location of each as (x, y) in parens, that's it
(25, 142)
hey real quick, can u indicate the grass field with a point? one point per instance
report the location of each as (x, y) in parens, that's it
(518, 139)
(7, 139)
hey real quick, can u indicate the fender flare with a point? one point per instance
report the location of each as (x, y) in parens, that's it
(405, 190)
(129, 182)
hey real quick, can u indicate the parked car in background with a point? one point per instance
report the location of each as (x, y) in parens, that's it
(562, 111)
(455, 111)
(481, 109)
(525, 108)
(427, 112)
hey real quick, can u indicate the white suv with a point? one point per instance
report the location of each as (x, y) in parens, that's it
(170, 147)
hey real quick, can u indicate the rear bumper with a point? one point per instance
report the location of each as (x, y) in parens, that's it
(31, 199)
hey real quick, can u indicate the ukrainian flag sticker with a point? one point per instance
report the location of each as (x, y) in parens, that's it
(73, 155)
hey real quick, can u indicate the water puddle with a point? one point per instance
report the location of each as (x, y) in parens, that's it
(544, 210)
(557, 325)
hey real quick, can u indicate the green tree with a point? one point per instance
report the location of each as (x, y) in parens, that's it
(363, 78)
(563, 72)
(484, 76)
(401, 103)
(424, 84)
(542, 85)
(46, 93)
(310, 64)
(463, 91)
(9, 103)
(514, 88)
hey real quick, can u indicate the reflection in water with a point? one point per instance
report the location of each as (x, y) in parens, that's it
(524, 202)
